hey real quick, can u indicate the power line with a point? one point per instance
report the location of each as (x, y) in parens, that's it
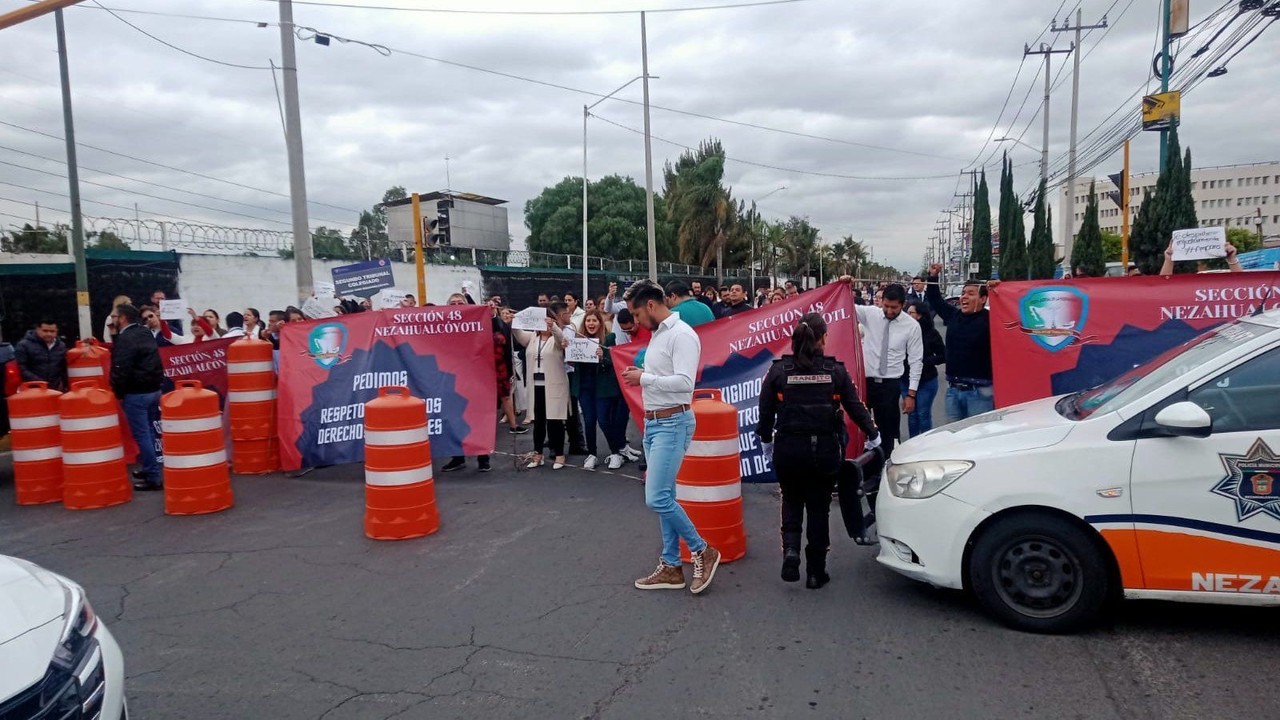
(767, 166)
(174, 169)
(175, 47)
(456, 11)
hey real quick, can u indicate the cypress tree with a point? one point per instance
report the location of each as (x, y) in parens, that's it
(1013, 245)
(1087, 252)
(1145, 246)
(982, 228)
(1040, 251)
(1007, 202)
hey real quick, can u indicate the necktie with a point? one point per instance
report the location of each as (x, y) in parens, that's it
(884, 349)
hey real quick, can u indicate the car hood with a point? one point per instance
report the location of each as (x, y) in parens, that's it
(1018, 428)
(31, 607)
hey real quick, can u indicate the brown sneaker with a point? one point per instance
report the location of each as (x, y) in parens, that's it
(666, 577)
(704, 568)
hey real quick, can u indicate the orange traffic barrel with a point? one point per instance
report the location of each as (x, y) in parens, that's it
(251, 407)
(37, 444)
(90, 361)
(709, 481)
(399, 494)
(93, 471)
(196, 478)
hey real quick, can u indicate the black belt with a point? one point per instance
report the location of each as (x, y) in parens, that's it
(967, 384)
(883, 380)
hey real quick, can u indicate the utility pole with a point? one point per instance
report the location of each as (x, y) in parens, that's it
(293, 147)
(1166, 69)
(1068, 213)
(1124, 211)
(73, 179)
(650, 224)
(1048, 52)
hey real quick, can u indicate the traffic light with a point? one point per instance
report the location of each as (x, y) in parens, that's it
(438, 227)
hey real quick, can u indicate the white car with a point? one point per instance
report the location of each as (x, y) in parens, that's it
(57, 659)
(1163, 483)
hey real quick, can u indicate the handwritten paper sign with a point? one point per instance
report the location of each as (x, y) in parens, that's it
(320, 288)
(319, 307)
(390, 298)
(533, 319)
(582, 350)
(1199, 243)
(173, 309)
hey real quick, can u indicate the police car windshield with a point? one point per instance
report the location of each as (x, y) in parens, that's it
(1169, 365)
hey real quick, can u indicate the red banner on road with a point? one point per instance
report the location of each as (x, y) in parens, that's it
(738, 350)
(204, 361)
(1053, 338)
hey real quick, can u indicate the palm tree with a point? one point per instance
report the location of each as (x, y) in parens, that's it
(699, 204)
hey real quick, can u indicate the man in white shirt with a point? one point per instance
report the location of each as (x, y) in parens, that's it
(890, 339)
(671, 365)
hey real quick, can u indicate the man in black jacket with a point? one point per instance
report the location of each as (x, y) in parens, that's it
(969, 390)
(41, 355)
(136, 375)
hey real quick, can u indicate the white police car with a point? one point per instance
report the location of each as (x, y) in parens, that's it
(57, 659)
(1163, 483)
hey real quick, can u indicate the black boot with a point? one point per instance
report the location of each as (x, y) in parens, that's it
(790, 564)
(816, 568)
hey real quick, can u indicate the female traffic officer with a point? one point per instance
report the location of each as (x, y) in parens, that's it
(801, 404)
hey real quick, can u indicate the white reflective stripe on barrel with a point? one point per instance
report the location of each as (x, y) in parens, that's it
(213, 422)
(386, 478)
(100, 422)
(33, 423)
(94, 371)
(38, 454)
(251, 367)
(709, 493)
(187, 462)
(248, 396)
(93, 456)
(395, 437)
(712, 448)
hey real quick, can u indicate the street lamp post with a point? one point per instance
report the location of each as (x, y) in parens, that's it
(586, 113)
(753, 238)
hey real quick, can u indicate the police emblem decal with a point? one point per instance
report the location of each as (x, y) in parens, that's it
(1054, 316)
(1251, 481)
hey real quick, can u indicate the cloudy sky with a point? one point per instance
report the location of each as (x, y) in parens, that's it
(850, 97)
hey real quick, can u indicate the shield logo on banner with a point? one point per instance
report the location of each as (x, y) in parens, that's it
(326, 343)
(1055, 316)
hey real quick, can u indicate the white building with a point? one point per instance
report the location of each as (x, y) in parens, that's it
(1225, 196)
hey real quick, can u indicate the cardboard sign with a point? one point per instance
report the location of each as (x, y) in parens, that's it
(173, 309)
(582, 350)
(1199, 243)
(319, 307)
(533, 319)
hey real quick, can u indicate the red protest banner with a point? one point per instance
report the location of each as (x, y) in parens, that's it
(1053, 338)
(737, 352)
(204, 361)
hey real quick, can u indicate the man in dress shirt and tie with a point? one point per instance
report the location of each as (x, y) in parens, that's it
(890, 338)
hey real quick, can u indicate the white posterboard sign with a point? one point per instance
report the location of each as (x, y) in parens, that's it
(173, 309)
(1199, 244)
(391, 298)
(582, 350)
(974, 268)
(315, 308)
(320, 288)
(533, 319)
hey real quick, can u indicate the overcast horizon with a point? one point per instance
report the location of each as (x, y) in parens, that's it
(899, 90)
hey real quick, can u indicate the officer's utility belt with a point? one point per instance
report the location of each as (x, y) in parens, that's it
(967, 383)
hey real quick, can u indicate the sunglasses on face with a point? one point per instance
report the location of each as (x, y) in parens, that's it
(148, 317)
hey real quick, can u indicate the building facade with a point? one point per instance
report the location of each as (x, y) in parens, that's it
(1245, 196)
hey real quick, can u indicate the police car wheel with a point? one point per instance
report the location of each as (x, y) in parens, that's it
(1039, 573)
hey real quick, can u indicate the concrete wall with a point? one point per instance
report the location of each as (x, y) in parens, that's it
(234, 282)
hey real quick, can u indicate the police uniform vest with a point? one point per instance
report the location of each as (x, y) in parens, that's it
(809, 405)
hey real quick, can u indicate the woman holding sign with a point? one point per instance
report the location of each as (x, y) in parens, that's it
(595, 386)
(547, 385)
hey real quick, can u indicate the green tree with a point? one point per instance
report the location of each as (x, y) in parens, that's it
(369, 239)
(107, 240)
(1174, 209)
(1112, 246)
(328, 244)
(1088, 252)
(799, 247)
(1013, 233)
(698, 203)
(1243, 240)
(1040, 250)
(615, 221)
(36, 240)
(981, 253)
(1145, 245)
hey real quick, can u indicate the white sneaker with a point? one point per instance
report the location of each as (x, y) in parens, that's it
(615, 461)
(590, 463)
(631, 454)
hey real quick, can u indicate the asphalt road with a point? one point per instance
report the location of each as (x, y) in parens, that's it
(522, 607)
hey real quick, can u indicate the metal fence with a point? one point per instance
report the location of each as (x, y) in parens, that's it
(559, 261)
(171, 235)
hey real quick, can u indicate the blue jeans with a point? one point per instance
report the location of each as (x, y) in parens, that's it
(611, 413)
(590, 416)
(963, 404)
(665, 442)
(920, 420)
(139, 411)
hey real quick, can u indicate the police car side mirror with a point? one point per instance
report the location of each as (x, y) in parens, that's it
(1185, 419)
